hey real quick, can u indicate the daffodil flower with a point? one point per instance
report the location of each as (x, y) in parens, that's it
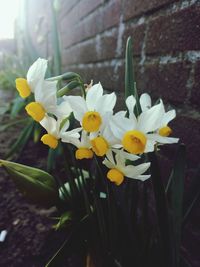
(119, 169)
(104, 140)
(35, 73)
(56, 132)
(163, 131)
(133, 132)
(83, 145)
(44, 91)
(45, 100)
(91, 112)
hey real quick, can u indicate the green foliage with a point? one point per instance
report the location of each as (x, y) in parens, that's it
(37, 185)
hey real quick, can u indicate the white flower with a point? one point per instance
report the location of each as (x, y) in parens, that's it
(55, 131)
(103, 141)
(44, 91)
(118, 168)
(35, 74)
(92, 111)
(84, 146)
(139, 135)
(133, 132)
(163, 131)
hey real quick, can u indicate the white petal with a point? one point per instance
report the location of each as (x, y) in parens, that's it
(93, 95)
(150, 145)
(129, 156)
(36, 72)
(143, 177)
(110, 138)
(168, 116)
(78, 106)
(109, 155)
(145, 102)
(85, 140)
(71, 137)
(63, 110)
(136, 171)
(45, 93)
(119, 126)
(150, 120)
(65, 126)
(108, 164)
(106, 103)
(162, 139)
(130, 103)
(50, 125)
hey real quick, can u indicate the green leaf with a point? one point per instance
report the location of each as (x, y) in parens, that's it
(37, 185)
(66, 76)
(21, 140)
(18, 105)
(176, 189)
(12, 123)
(161, 209)
(129, 78)
(37, 132)
(66, 89)
(130, 85)
(64, 220)
(192, 196)
(55, 41)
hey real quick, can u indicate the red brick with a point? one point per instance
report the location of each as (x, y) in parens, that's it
(179, 31)
(137, 34)
(102, 19)
(66, 6)
(133, 8)
(195, 95)
(188, 129)
(104, 74)
(166, 81)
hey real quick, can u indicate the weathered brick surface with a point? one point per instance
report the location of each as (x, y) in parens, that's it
(138, 33)
(104, 74)
(179, 31)
(167, 81)
(102, 19)
(135, 8)
(97, 49)
(188, 130)
(195, 95)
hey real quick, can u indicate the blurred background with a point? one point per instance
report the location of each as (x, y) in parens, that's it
(89, 37)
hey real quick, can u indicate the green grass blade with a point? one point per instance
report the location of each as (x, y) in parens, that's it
(130, 84)
(55, 41)
(161, 209)
(22, 140)
(176, 199)
(192, 196)
(129, 77)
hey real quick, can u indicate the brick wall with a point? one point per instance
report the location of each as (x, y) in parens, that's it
(166, 35)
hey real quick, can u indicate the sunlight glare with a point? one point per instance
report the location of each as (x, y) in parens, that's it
(8, 12)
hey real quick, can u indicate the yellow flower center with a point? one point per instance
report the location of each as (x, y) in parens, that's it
(115, 176)
(49, 140)
(134, 142)
(35, 110)
(91, 121)
(99, 146)
(84, 153)
(22, 87)
(165, 131)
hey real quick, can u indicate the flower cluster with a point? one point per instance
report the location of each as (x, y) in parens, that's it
(119, 139)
